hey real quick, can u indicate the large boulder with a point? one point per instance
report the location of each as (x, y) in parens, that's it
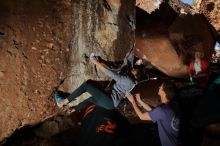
(43, 42)
(168, 40)
(210, 8)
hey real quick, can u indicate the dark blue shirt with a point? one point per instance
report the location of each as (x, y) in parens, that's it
(168, 124)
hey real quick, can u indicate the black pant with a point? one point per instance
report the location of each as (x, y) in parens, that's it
(99, 96)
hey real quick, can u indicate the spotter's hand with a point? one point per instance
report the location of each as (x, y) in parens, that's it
(130, 97)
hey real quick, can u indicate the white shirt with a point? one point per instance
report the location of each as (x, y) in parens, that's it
(197, 66)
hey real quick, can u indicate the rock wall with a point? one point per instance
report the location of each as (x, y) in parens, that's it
(103, 28)
(149, 5)
(44, 41)
(210, 8)
(32, 47)
(168, 40)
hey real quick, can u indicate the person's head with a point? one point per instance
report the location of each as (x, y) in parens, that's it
(135, 71)
(167, 91)
(198, 54)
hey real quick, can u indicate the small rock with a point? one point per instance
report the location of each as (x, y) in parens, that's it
(47, 61)
(50, 45)
(40, 61)
(33, 48)
(33, 28)
(2, 74)
(182, 11)
(26, 122)
(44, 34)
(36, 92)
(42, 57)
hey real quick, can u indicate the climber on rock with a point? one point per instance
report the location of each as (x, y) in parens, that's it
(108, 100)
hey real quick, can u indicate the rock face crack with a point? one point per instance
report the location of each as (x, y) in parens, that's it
(17, 44)
(210, 7)
(106, 5)
(1, 33)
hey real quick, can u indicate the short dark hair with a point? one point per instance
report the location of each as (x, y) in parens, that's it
(140, 74)
(170, 89)
(137, 68)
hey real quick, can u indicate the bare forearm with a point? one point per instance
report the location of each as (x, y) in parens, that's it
(141, 115)
(101, 66)
(145, 106)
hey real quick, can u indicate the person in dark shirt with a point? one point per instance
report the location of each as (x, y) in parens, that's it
(165, 115)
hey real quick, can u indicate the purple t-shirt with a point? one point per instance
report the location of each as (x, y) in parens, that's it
(168, 124)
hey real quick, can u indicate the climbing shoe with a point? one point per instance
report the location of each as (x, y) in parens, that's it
(58, 98)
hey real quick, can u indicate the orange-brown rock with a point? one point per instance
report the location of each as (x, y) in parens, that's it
(42, 42)
(168, 40)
